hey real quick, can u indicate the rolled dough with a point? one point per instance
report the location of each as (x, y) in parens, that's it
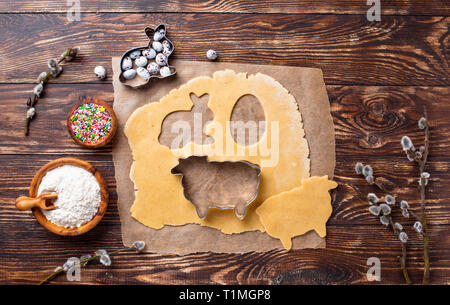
(159, 199)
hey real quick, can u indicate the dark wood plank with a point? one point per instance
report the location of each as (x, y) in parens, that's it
(389, 7)
(342, 262)
(350, 50)
(351, 241)
(48, 132)
(348, 247)
(368, 120)
(369, 123)
(349, 205)
(373, 119)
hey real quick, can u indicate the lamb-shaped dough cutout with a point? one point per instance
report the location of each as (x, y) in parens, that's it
(298, 211)
(159, 198)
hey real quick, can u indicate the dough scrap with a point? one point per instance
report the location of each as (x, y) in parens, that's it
(159, 199)
(298, 211)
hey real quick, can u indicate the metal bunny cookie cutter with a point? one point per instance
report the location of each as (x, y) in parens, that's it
(147, 62)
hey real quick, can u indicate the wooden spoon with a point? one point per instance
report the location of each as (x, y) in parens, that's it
(44, 201)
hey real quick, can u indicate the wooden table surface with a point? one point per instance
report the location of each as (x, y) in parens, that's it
(379, 75)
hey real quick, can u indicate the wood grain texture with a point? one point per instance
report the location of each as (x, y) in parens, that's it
(399, 50)
(370, 119)
(354, 235)
(50, 120)
(408, 55)
(342, 262)
(349, 205)
(349, 245)
(389, 7)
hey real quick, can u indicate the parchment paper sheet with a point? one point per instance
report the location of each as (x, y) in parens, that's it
(308, 88)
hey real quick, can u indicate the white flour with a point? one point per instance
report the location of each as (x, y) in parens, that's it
(78, 195)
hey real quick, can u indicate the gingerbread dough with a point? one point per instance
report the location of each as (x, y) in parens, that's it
(159, 196)
(298, 211)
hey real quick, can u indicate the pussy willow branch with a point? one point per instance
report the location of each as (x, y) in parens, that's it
(417, 217)
(68, 55)
(93, 257)
(402, 258)
(422, 162)
(420, 157)
(376, 183)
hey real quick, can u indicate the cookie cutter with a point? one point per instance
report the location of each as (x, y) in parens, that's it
(149, 32)
(199, 193)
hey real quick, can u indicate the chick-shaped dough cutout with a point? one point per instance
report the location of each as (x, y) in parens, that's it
(298, 211)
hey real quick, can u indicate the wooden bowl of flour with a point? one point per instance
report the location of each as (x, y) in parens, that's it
(104, 197)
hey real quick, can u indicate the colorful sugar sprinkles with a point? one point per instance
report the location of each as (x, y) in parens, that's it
(91, 123)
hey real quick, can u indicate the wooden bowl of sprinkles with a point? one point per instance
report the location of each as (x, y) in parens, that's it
(92, 123)
(104, 196)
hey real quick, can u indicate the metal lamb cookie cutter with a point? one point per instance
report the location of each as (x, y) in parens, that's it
(149, 32)
(218, 184)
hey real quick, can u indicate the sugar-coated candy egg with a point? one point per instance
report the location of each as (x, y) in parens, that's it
(149, 53)
(166, 45)
(100, 72)
(143, 73)
(165, 71)
(129, 74)
(159, 35)
(135, 54)
(157, 46)
(161, 59)
(153, 68)
(127, 63)
(141, 61)
(211, 54)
